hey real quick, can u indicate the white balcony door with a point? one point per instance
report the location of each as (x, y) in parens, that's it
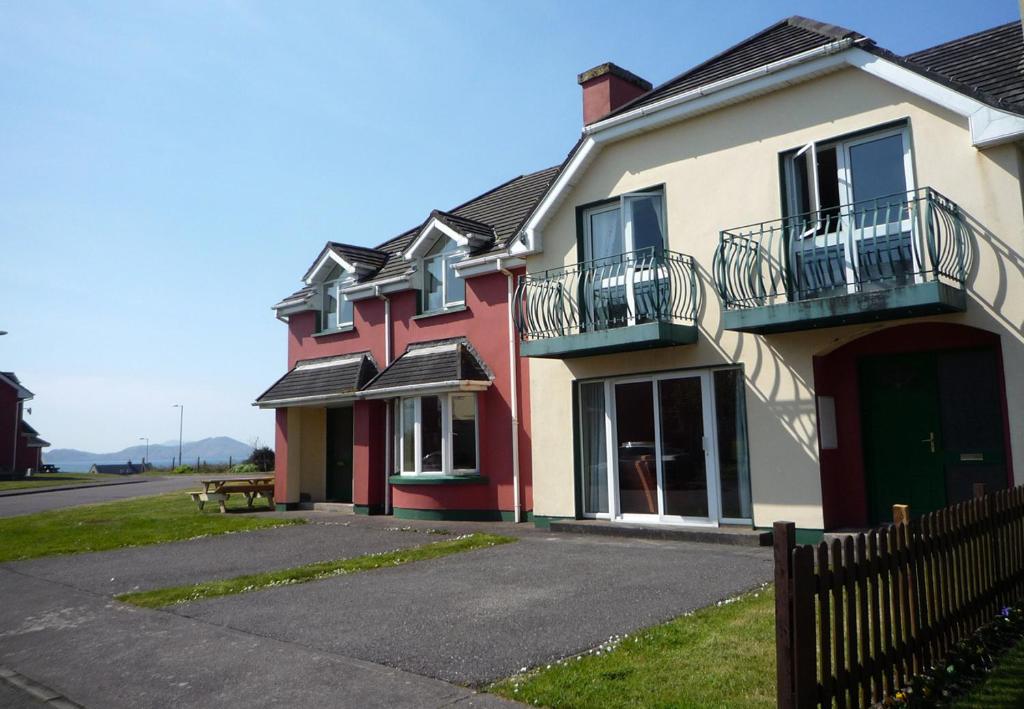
(861, 231)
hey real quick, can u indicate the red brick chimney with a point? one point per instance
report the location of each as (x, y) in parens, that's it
(607, 87)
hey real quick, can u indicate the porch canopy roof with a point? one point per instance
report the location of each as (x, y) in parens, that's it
(324, 380)
(428, 367)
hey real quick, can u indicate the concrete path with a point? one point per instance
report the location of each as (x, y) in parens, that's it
(27, 504)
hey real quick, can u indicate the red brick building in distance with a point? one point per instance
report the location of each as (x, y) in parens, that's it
(405, 393)
(21, 448)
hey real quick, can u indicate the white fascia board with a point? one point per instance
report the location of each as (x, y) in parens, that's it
(298, 401)
(372, 289)
(675, 108)
(488, 264)
(428, 388)
(426, 237)
(566, 180)
(328, 259)
(989, 126)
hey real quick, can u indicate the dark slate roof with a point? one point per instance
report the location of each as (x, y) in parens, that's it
(987, 64)
(360, 255)
(458, 361)
(322, 377)
(296, 298)
(463, 225)
(500, 211)
(783, 39)
(32, 436)
(23, 392)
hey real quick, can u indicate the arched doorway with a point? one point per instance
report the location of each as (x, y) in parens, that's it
(914, 414)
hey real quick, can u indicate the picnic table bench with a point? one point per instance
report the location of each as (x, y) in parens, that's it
(220, 489)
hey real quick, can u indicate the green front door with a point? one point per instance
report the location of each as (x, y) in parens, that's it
(901, 426)
(339, 455)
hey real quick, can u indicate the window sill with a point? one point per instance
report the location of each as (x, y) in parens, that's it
(335, 331)
(471, 479)
(435, 313)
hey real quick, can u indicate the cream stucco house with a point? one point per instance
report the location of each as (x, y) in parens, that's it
(786, 284)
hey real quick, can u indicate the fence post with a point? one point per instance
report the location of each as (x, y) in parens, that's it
(805, 648)
(784, 536)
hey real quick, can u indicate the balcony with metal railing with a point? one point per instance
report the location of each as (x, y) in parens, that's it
(636, 300)
(904, 255)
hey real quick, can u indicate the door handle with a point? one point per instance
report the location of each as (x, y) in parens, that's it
(930, 441)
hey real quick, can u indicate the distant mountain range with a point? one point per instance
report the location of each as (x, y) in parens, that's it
(219, 449)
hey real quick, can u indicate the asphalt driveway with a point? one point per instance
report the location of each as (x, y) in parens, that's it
(403, 636)
(475, 617)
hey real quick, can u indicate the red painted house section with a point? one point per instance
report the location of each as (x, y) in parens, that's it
(10, 418)
(843, 488)
(484, 322)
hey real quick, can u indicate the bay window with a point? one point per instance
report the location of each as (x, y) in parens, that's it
(442, 286)
(437, 435)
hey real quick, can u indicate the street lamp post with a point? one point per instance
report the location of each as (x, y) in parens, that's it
(147, 453)
(181, 424)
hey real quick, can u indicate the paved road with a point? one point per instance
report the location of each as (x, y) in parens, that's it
(41, 501)
(392, 637)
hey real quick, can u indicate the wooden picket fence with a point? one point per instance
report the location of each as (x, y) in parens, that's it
(858, 617)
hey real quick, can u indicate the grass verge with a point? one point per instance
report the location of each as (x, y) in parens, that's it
(125, 523)
(56, 480)
(161, 597)
(1003, 688)
(720, 656)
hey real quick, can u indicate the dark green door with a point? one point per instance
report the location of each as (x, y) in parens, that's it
(901, 427)
(339, 455)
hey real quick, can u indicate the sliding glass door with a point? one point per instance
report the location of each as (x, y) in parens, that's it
(667, 448)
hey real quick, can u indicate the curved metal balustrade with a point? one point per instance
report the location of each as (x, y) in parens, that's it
(646, 286)
(903, 239)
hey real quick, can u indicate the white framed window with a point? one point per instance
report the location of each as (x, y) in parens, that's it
(336, 311)
(442, 286)
(635, 221)
(437, 434)
(848, 213)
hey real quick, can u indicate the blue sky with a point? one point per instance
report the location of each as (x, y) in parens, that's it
(168, 170)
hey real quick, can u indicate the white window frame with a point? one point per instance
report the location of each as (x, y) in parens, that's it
(844, 177)
(709, 414)
(446, 259)
(625, 225)
(446, 437)
(335, 288)
(626, 278)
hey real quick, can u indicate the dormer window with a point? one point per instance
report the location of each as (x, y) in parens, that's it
(336, 313)
(442, 286)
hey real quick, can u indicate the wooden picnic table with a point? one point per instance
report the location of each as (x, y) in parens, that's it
(220, 489)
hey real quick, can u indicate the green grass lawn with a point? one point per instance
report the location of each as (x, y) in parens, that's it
(55, 480)
(134, 522)
(721, 656)
(310, 572)
(1004, 688)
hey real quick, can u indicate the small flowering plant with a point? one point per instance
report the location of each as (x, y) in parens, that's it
(969, 661)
